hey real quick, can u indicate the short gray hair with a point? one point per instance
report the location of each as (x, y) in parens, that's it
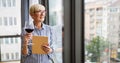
(36, 7)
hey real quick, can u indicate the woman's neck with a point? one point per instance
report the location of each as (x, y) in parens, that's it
(38, 25)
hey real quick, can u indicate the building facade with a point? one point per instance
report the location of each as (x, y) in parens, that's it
(10, 28)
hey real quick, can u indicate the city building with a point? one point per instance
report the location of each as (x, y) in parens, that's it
(102, 18)
(10, 30)
(97, 16)
(114, 26)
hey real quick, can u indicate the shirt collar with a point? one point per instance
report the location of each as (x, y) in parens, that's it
(43, 26)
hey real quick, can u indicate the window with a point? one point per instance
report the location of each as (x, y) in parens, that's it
(0, 3)
(3, 3)
(2, 56)
(56, 20)
(7, 56)
(14, 3)
(16, 40)
(9, 3)
(17, 55)
(12, 56)
(10, 21)
(5, 21)
(15, 21)
(11, 40)
(6, 40)
(1, 41)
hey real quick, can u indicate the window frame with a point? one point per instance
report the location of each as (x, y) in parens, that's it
(74, 31)
(73, 45)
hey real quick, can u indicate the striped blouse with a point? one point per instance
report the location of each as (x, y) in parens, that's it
(39, 58)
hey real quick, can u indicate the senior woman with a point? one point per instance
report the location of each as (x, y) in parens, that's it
(38, 13)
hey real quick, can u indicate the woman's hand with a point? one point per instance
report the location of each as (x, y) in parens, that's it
(47, 48)
(27, 37)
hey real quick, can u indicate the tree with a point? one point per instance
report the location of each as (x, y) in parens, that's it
(96, 46)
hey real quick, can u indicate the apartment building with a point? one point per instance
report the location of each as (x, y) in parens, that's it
(104, 21)
(97, 17)
(114, 26)
(10, 30)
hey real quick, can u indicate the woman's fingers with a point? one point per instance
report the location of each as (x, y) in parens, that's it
(46, 48)
(27, 37)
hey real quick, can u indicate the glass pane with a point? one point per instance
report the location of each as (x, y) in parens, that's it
(4, 3)
(102, 31)
(10, 26)
(0, 3)
(14, 3)
(56, 20)
(9, 49)
(9, 3)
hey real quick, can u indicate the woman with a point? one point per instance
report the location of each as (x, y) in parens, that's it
(37, 12)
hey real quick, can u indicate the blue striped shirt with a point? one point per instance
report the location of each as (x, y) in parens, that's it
(39, 58)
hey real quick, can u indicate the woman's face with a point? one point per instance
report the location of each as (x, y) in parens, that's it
(39, 15)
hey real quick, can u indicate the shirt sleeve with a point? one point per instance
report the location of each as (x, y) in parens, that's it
(51, 43)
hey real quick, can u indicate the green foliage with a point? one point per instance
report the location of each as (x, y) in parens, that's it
(96, 46)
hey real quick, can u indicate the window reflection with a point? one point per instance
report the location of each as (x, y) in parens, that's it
(56, 21)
